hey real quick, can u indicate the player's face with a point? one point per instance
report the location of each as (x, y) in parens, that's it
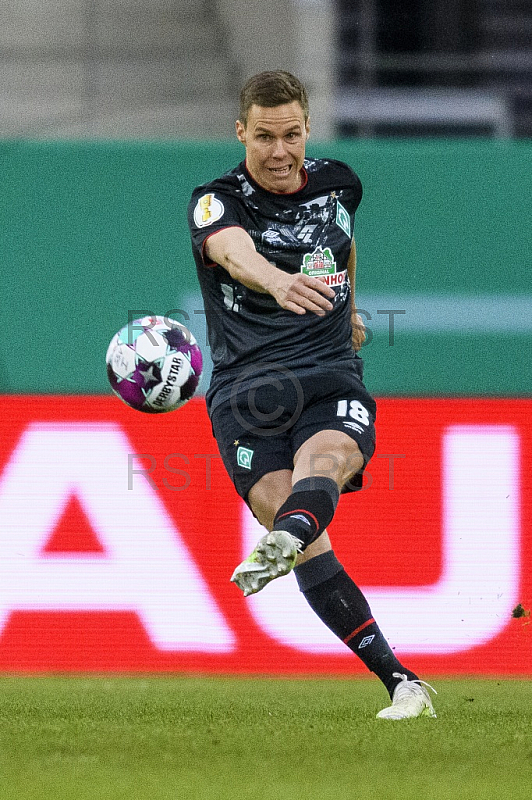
(275, 140)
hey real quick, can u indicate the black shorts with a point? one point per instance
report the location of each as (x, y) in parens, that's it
(259, 430)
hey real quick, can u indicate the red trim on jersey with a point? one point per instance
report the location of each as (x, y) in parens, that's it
(357, 630)
(203, 254)
(305, 180)
(299, 511)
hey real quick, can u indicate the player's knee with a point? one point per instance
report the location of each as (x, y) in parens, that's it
(353, 463)
(269, 494)
(264, 511)
(338, 463)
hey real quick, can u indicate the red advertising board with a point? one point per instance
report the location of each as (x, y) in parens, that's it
(119, 532)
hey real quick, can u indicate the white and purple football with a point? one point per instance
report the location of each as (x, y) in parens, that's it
(154, 364)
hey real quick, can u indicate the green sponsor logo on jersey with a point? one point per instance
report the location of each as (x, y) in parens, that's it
(243, 457)
(320, 262)
(342, 219)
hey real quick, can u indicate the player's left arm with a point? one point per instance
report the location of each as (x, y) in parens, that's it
(356, 320)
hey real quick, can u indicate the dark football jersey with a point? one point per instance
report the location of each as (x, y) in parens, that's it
(310, 230)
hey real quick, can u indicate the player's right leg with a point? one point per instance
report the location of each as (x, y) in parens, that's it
(259, 461)
(334, 598)
(331, 594)
(295, 497)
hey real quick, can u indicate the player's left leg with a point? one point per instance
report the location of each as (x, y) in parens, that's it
(275, 554)
(330, 592)
(296, 507)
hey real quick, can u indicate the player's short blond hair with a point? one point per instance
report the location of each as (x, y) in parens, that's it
(270, 89)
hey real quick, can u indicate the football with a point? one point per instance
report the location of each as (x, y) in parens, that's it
(154, 364)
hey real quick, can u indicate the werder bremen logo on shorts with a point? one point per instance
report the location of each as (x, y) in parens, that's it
(320, 262)
(243, 457)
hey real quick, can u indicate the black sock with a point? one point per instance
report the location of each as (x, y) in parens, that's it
(309, 509)
(340, 604)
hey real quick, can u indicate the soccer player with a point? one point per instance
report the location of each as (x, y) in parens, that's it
(275, 254)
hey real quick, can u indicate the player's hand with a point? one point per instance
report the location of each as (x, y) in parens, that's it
(301, 293)
(359, 330)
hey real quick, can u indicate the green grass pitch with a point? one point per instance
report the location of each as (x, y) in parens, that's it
(215, 738)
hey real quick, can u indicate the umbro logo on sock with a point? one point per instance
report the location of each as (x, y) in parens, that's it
(300, 517)
(365, 641)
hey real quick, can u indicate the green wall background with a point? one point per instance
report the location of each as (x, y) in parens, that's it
(90, 231)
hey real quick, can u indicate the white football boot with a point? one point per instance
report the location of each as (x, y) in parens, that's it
(410, 699)
(275, 555)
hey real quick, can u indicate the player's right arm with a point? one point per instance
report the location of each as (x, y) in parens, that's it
(235, 250)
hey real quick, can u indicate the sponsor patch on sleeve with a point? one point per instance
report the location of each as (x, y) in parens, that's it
(342, 218)
(208, 210)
